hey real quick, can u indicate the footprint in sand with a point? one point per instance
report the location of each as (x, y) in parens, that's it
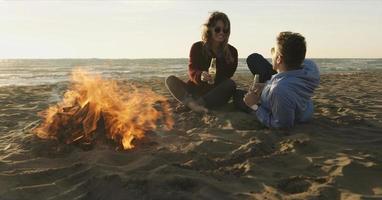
(294, 185)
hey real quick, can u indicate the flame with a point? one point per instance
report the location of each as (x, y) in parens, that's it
(93, 105)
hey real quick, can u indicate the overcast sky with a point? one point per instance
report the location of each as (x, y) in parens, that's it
(167, 29)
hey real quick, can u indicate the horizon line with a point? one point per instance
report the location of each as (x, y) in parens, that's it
(155, 58)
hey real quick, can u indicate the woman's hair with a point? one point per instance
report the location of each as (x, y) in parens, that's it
(207, 35)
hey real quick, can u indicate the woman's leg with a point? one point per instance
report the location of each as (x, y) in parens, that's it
(181, 92)
(177, 88)
(239, 102)
(219, 95)
(257, 64)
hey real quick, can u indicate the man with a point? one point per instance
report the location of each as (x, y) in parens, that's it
(285, 98)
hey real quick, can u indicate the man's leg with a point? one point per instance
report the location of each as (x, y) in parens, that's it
(257, 64)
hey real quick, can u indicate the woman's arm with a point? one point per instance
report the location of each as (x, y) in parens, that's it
(232, 66)
(194, 66)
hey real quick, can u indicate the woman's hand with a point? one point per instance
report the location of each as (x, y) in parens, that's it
(205, 76)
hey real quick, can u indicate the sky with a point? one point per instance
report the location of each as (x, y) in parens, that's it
(167, 29)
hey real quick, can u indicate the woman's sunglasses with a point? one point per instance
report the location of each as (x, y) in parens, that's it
(218, 30)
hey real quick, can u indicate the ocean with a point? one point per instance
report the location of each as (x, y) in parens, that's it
(49, 71)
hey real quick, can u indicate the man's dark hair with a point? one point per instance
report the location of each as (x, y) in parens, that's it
(292, 47)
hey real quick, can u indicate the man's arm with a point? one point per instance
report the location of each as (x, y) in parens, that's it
(282, 112)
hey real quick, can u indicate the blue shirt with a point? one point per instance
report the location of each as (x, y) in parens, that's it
(286, 98)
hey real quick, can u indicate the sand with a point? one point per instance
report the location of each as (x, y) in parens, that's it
(225, 154)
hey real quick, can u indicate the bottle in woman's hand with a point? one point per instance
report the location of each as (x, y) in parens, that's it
(212, 71)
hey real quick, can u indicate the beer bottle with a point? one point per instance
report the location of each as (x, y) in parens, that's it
(212, 71)
(255, 80)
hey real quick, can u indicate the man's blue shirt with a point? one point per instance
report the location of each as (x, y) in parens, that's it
(286, 98)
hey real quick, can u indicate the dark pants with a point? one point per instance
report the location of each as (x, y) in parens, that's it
(257, 64)
(215, 97)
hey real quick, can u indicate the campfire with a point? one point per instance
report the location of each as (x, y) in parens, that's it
(94, 106)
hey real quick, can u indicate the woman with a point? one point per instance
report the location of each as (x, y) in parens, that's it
(197, 93)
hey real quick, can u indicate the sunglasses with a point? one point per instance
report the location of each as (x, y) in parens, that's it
(272, 50)
(219, 29)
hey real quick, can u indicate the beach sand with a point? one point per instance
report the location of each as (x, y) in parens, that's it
(225, 154)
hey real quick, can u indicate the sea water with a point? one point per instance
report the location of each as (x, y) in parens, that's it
(50, 71)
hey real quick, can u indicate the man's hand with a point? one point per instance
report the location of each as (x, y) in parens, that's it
(258, 88)
(251, 98)
(205, 76)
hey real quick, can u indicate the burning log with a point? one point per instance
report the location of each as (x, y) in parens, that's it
(95, 106)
